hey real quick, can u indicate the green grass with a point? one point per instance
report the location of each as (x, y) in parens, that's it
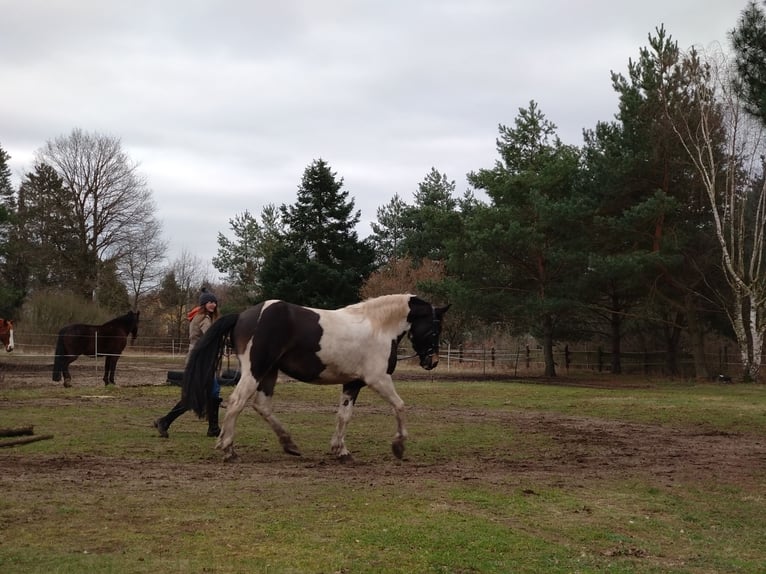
(107, 495)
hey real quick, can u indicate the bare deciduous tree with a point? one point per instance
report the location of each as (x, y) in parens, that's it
(179, 289)
(727, 148)
(111, 201)
(141, 266)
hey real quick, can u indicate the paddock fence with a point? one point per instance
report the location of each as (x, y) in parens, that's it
(36, 349)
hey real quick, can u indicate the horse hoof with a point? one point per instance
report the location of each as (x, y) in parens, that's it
(67, 384)
(346, 458)
(289, 446)
(398, 448)
(230, 457)
(292, 449)
(159, 424)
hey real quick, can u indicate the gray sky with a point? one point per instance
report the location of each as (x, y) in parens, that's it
(224, 104)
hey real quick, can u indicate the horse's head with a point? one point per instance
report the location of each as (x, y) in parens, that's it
(6, 334)
(425, 330)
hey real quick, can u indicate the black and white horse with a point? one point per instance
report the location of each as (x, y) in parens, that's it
(353, 346)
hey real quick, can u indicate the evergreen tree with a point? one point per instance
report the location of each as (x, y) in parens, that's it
(320, 262)
(242, 258)
(47, 246)
(432, 220)
(749, 42)
(653, 224)
(520, 259)
(11, 292)
(388, 233)
(7, 201)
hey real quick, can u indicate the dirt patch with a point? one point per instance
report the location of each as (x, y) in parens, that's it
(588, 450)
(584, 448)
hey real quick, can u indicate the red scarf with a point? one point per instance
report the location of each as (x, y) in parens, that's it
(190, 315)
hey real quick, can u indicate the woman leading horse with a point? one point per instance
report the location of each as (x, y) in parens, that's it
(353, 346)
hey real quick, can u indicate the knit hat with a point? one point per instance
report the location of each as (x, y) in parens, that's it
(207, 298)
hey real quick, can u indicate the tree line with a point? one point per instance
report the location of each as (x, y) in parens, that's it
(651, 232)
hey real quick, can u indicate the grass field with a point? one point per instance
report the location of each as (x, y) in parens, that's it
(498, 476)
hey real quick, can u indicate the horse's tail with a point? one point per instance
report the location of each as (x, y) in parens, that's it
(202, 363)
(59, 359)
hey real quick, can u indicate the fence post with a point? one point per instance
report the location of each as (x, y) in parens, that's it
(599, 359)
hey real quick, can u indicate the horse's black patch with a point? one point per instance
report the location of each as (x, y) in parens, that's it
(285, 337)
(351, 391)
(392, 358)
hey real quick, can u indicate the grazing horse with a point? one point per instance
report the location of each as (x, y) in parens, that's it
(107, 340)
(6, 334)
(353, 346)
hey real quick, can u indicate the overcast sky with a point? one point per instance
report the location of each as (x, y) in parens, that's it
(224, 104)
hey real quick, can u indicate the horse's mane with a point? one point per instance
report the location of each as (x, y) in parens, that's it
(384, 311)
(128, 318)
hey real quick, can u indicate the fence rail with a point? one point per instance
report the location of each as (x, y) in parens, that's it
(520, 361)
(524, 361)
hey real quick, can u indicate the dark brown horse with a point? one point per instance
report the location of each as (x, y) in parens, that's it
(354, 346)
(6, 334)
(107, 340)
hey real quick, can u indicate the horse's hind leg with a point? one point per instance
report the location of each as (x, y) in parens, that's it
(237, 400)
(65, 374)
(345, 410)
(262, 406)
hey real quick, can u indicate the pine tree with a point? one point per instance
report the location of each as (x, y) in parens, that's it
(321, 262)
(749, 42)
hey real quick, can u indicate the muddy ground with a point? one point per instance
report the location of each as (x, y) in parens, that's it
(591, 448)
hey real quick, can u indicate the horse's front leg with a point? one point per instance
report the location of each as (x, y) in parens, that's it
(385, 388)
(346, 408)
(109, 366)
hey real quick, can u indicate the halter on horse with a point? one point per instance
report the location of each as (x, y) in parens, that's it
(354, 346)
(6, 334)
(107, 340)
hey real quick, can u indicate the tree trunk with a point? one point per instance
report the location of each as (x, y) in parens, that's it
(697, 336)
(672, 331)
(615, 325)
(754, 334)
(550, 365)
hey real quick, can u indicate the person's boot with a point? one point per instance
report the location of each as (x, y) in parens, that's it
(162, 424)
(212, 416)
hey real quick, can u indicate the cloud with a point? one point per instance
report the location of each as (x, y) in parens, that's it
(224, 104)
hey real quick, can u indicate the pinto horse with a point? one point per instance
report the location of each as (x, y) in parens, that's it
(353, 346)
(107, 340)
(6, 334)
